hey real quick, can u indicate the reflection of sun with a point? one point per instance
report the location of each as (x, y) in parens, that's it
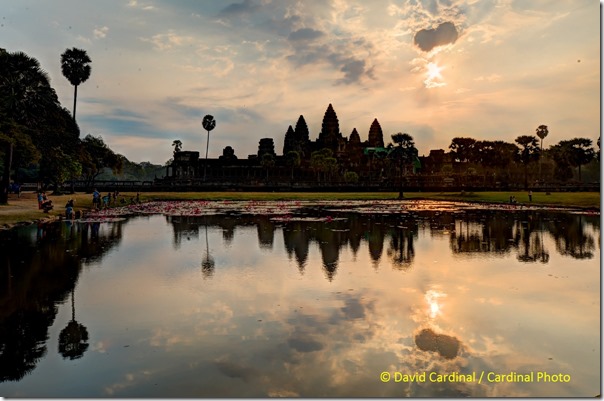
(434, 309)
(432, 297)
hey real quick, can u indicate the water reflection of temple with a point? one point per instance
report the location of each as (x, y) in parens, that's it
(391, 239)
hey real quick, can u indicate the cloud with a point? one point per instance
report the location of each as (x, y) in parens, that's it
(428, 39)
(345, 57)
(238, 9)
(305, 34)
(169, 40)
(489, 78)
(100, 33)
(354, 70)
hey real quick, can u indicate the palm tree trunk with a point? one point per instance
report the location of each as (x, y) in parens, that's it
(206, 163)
(540, 158)
(75, 98)
(72, 305)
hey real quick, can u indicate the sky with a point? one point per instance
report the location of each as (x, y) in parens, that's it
(436, 69)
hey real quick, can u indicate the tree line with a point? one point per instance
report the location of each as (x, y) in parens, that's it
(39, 138)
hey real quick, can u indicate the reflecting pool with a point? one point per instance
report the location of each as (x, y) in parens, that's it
(322, 301)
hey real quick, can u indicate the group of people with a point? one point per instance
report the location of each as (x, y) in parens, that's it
(44, 203)
(98, 202)
(70, 212)
(103, 202)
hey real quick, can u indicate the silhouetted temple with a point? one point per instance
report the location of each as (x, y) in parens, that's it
(331, 158)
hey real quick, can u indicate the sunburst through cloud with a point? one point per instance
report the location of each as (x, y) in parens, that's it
(434, 78)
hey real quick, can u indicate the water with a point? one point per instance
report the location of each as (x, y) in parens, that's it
(317, 304)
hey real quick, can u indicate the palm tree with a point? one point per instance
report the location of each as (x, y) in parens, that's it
(177, 145)
(405, 152)
(542, 132)
(73, 339)
(292, 159)
(208, 263)
(528, 151)
(267, 162)
(76, 68)
(208, 124)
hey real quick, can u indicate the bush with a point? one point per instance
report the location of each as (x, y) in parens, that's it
(351, 177)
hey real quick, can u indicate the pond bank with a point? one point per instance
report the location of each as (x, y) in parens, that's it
(24, 210)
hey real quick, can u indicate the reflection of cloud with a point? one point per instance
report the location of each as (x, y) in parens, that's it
(166, 338)
(282, 393)
(129, 380)
(446, 346)
(304, 344)
(238, 9)
(99, 347)
(428, 39)
(235, 370)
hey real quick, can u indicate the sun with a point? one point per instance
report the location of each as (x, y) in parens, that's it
(434, 72)
(434, 79)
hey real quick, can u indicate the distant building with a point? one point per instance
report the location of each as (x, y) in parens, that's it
(352, 155)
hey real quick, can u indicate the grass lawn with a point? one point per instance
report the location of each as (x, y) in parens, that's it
(26, 207)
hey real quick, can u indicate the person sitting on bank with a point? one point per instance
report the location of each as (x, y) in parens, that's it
(47, 205)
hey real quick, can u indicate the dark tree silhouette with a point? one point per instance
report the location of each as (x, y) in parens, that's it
(208, 263)
(572, 153)
(462, 149)
(292, 158)
(267, 162)
(404, 153)
(73, 339)
(541, 132)
(26, 101)
(581, 152)
(177, 145)
(494, 155)
(208, 124)
(528, 151)
(401, 250)
(76, 68)
(95, 156)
